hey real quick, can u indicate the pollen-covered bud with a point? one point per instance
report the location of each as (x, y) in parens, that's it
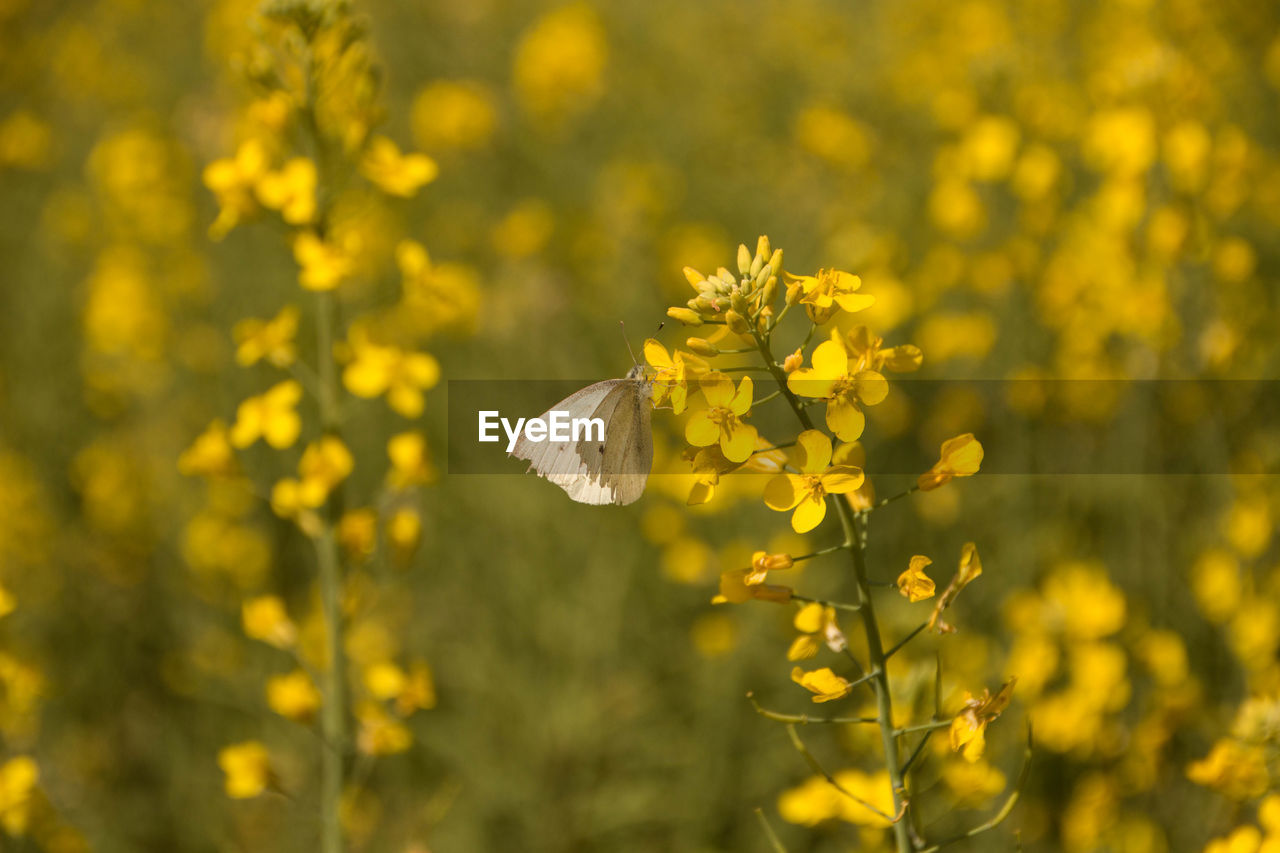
(686, 316)
(702, 346)
(744, 259)
(704, 304)
(793, 362)
(737, 323)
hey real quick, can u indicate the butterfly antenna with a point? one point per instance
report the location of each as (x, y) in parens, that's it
(630, 351)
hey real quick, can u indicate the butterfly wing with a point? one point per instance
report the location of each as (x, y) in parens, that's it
(628, 450)
(561, 462)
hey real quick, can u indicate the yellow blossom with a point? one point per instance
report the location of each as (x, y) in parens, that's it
(823, 683)
(18, 777)
(358, 532)
(271, 340)
(265, 618)
(453, 114)
(402, 375)
(806, 492)
(232, 180)
(970, 568)
(914, 584)
(384, 680)
(404, 530)
(830, 379)
(272, 416)
(290, 190)
(969, 727)
(830, 291)
(418, 691)
(323, 264)
(293, 695)
(247, 767)
(960, 457)
(410, 460)
(378, 733)
(868, 352)
(817, 625)
(395, 173)
(739, 585)
(211, 454)
(1235, 769)
(673, 375)
(722, 419)
(973, 783)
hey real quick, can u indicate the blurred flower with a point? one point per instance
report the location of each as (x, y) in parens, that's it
(559, 62)
(739, 585)
(453, 114)
(271, 416)
(293, 695)
(379, 733)
(722, 419)
(325, 463)
(247, 767)
(830, 291)
(970, 568)
(377, 369)
(265, 618)
(18, 777)
(1234, 769)
(272, 339)
(817, 624)
(395, 173)
(232, 181)
(410, 460)
(323, 264)
(807, 491)
(914, 584)
(211, 454)
(291, 190)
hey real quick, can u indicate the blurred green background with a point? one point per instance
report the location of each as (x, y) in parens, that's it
(1086, 192)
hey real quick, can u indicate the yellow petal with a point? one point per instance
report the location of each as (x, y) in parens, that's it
(656, 354)
(841, 479)
(830, 361)
(872, 387)
(854, 301)
(806, 382)
(741, 402)
(738, 445)
(808, 514)
(809, 618)
(813, 451)
(701, 431)
(783, 492)
(845, 419)
(717, 389)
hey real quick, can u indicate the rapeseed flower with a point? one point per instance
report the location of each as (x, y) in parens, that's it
(806, 491)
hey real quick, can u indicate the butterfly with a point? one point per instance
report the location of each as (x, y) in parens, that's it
(594, 471)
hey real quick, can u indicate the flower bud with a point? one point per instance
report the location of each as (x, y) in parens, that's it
(762, 246)
(739, 303)
(757, 263)
(763, 274)
(744, 259)
(694, 277)
(737, 323)
(771, 562)
(775, 260)
(794, 292)
(702, 347)
(684, 315)
(770, 291)
(793, 362)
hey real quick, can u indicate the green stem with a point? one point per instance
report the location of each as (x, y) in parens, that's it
(875, 649)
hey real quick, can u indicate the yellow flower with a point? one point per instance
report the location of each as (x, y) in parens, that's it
(268, 339)
(961, 457)
(914, 584)
(395, 173)
(384, 680)
(806, 492)
(970, 568)
(722, 419)
(290, 190)
(672, 377)
(358, 533)
(829, 291)
(404, 530)
(379, 734)
(418, 692)
(410, 461)
(231, 180)
(1235, 769)
(293, 695)
(817, 624)
(869, 353)
(403, 376)
(323, 264)
(247, 767)
(559, 62)
(823, 683)
(18, 777)
(830, 379)
(453, 114)
(272, 416)
(210, 454)
(739, 585)
(969, 727)
(265, 618)
(324, 464)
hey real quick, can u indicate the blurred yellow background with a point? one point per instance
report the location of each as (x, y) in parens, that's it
(1086, 192)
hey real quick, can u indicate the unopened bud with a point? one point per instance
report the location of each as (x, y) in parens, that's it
(693, 276)
(702, 347)
(737, 323)
(793, 362)
(744, 259)
(757, 264)
(775, 260)
(770, 291)
(772, 562)
(762, 246)
(739, 302)
(686, 316)
(794, 292)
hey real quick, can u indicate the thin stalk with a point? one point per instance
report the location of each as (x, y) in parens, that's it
(875, 650)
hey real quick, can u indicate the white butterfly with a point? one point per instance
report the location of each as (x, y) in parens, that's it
(600, 472)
